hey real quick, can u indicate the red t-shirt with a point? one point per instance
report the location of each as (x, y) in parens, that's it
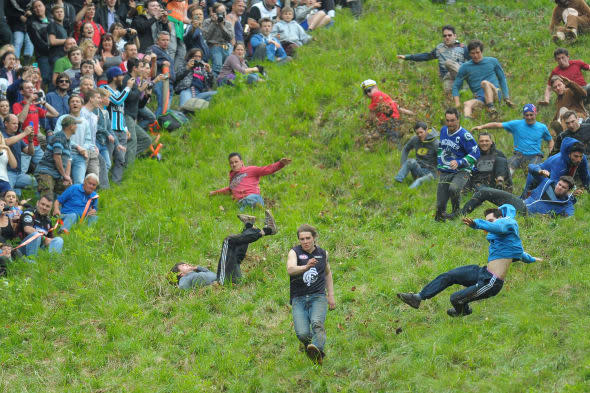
(35, 113)
(573, 72)
(376, 106)
(98, 31)
(246, 181)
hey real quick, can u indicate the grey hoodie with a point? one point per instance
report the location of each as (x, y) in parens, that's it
(291, 31)
(426, 152)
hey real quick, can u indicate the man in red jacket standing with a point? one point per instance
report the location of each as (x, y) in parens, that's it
(244, 180)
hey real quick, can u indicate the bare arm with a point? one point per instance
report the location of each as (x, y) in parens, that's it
(51, 112)
(293, 269)
(56, 208)
(487, 125)
(406, 111)
(53, 41)
(11, 160)
(13, 139)
(24, 113)
(551, 144)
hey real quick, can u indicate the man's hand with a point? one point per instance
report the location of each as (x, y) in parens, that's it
(29, 130)
(469, 222)
(166, 63)
(130, 82)
(128, 134)
(67, 180)
(543, 103)
(477, 128)
(211, 193)
(82, 152)
(312, 262)
(122, 148)
(578, 192)
(537, 259)
(454, 164)
(285, 161)
(91, 212)
(331, 302)
(403, 57)
(111, 138)
(544, 172)
(56, 211)
(190, 63)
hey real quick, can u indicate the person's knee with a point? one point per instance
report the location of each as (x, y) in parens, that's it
(485, 84)
(56, 245)
(318, 326)
(455, 189)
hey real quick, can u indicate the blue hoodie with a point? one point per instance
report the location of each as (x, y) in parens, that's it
(559, 165)
(551, 204)
(504, 237)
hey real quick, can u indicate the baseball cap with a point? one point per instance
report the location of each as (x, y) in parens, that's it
(68, 121)
(368, 83)
(114, 72)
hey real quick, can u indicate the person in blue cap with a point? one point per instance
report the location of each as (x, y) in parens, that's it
(481, 282)
(528, 136)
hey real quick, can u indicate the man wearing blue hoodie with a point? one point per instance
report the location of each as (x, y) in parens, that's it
(568, 162)
(550, 197)
(485, 281)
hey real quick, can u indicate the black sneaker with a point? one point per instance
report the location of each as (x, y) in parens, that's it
(452, 312)
(269, 222)
(314, 354)
(411, 299)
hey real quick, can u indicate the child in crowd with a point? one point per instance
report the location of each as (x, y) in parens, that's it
(289, 33)
(308, 16)
(385, 110)
(267, 47)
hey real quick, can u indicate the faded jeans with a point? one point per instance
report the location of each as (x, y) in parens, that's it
(70, 219)
(251, 200)
(309, 316)
(32, 248)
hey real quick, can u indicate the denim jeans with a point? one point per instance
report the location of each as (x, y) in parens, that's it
(187, 94)
(78, 168)
(201, 278)
(70, 219)
(103, 150)
(250, 201)
(45, 68)
(309, 315)
(140, 141)
(519, 160)
(145, 117)
(20, 38)
(411, 166)
(26, 159)
(18, 181)
(479, 283)
(32, 248)
(160, 97)
(218, 56)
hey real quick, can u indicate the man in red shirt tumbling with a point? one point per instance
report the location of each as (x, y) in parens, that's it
(244, 180)
(384, 109)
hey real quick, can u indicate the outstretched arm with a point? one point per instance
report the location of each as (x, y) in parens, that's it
(500, 227)
(487, 125)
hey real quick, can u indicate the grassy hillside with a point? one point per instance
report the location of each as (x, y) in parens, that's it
(101, 317)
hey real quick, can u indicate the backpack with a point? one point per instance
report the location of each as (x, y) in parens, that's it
(172, 120)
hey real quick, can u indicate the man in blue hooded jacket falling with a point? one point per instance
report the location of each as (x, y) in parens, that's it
(485, 281)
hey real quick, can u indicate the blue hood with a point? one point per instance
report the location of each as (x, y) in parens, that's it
(566, 145)
(508, 210)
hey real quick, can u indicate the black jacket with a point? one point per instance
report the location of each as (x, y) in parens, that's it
(145, 34)
(37, 31)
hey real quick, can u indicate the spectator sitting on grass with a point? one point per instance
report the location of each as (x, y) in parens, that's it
(289, 33)
(266, 47)
(575, 14)
(233, 251)
(244, 180)
(16, 207)
(8, 226)
(77, 202)
(194, 79)
(36, 227)
(235, 64)
(423, 167)
(385, 110)
(308, 14)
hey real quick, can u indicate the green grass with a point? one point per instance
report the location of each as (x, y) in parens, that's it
(101, 317)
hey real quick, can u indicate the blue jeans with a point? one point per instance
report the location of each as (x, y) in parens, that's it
(160, 97)
(479, 283)
(70, 219)
(103, 150)
(45, 68)
(309, 315)
(201, 278)
(218, 56)
(20, 38)
(411, 166)
(145, 117)
(18, 181)
(32, 248)
(187, 94)
(78, 168)
(250, 201)
(26, 159)
(519, 160)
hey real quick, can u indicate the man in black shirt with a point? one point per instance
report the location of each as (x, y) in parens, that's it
(310, 277)
(36, 227)
(140, 141)
(57, 35)
(575, 130)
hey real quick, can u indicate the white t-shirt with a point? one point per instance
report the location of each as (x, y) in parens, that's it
(4, 165)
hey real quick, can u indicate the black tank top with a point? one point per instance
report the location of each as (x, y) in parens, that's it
(313, 280)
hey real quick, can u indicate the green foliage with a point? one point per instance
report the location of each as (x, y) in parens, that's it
(103, 318)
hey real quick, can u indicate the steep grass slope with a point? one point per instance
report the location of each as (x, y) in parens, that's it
(101, 317)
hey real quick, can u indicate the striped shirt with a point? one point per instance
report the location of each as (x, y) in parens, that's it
(117, 107)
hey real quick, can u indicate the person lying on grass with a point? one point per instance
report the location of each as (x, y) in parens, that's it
(485, 281)
(233, 251)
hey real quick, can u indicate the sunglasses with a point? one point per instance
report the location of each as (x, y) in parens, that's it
(447, 35)
(63, 81)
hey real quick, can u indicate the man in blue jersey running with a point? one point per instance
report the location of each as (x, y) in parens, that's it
(485, 78)
(457, 154)
(485, 281)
